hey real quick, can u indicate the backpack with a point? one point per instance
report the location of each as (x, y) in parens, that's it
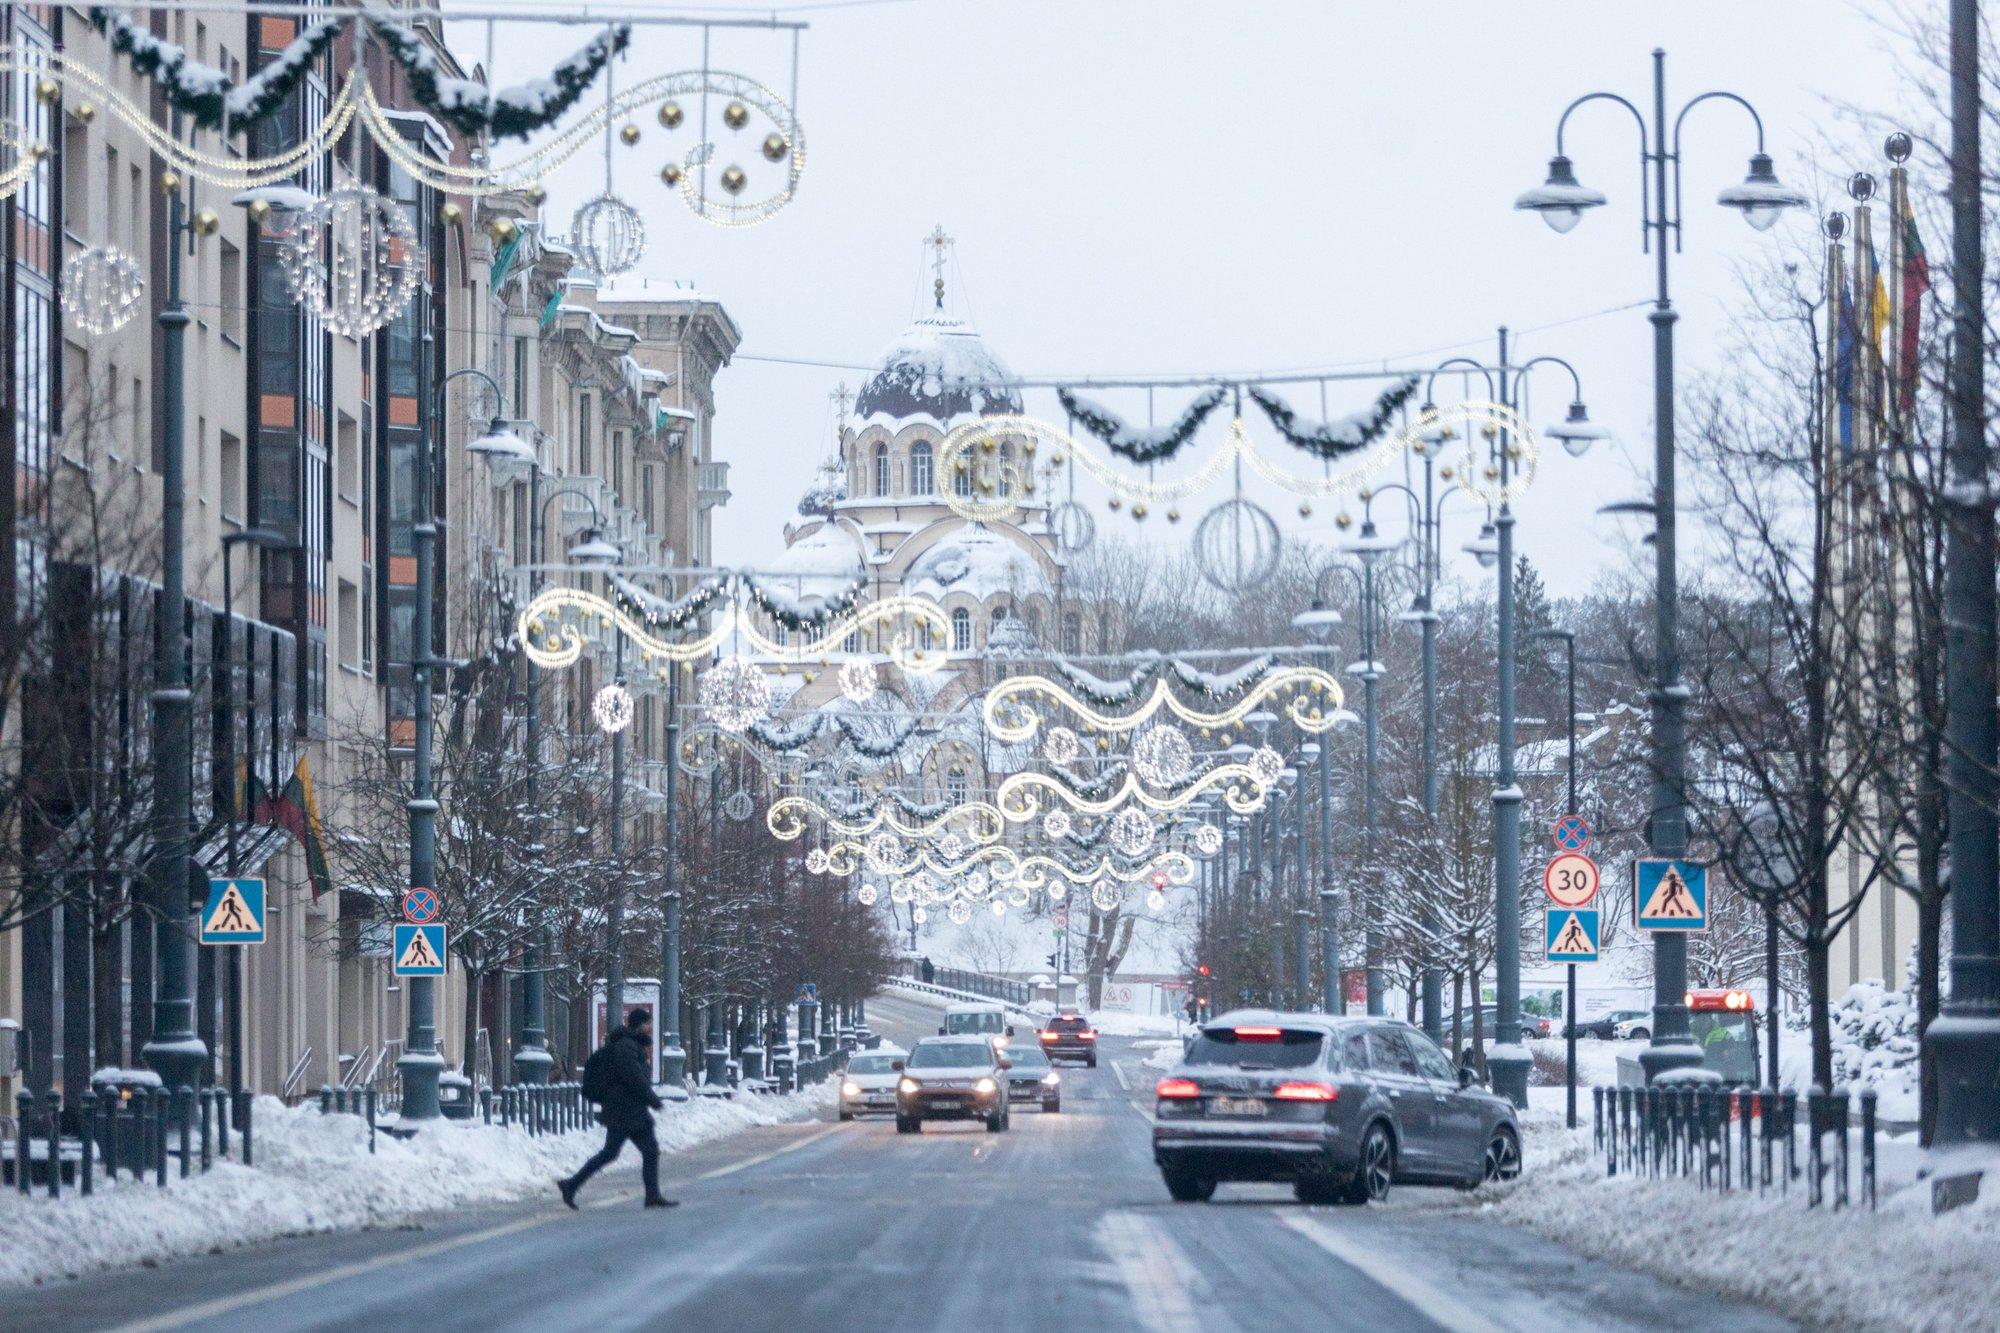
(597, 1075)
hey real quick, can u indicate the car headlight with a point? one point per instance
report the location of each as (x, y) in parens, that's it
(908, 1085)
(1049, 1080)
(985, 1085)
(850, 1089)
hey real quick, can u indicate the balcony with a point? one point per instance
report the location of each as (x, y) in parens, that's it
(712, 484)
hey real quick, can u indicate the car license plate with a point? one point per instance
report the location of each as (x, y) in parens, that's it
(1249, 1106)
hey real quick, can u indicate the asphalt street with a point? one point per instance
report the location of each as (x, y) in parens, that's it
(1060, 1223)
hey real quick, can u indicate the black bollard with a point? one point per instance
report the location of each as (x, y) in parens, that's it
(87, 1135)
(1868, 1098)
(207, 1127)
(244, 1125)
(52, 1113)
(159, 1127)
(184, 1109)
(1837, 1113)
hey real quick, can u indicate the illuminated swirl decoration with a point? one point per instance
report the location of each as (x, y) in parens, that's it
(1314, 697)
(884, 858)
(356, 102)
(559, 622)
(968, 442)
(1480, 426)
(1035, 871)
(978, 821)
(1241, 790)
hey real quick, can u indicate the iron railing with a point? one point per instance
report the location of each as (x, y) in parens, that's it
(139, 1131)
(1738, 1138)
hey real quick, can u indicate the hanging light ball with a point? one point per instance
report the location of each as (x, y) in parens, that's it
(610, 236)
(170, 182)
(101, 289)
(449, 214)
(1208, 840)
(816, 861)
(735, 693)
(628, 134)
(951, 847)
(1061, 746)
(999, 908)
(259, 211)
(775, 147)
(740, 805)
(882, 852)
(535, 195)
(976, 884)
(1155, 900)
(206, 222)
(85, 113)
(960, 912)
(919, 915)
(1267, 764)
(670, 175)
(671, 114)
(736, 115)
(1132, 832)
(857, 679)
(1056, 824)
(1104, 896)
(733, 179)
(612, 708)
(1237, 546)
(1162, 755)
(502, 230)
(352, 260)
(866, 895)
(47, 90)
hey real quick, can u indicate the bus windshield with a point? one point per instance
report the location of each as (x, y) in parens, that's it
(975, 1021)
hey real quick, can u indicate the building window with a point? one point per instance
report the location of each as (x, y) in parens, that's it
(881, 469)
(961, 631)
(924, 639)
(921, 478)
(350, 625)
(232, 292)
(954, 784)
(961, 478)
(583, 434)
(1072, 634)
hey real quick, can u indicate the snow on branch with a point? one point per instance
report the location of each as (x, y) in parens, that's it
(1340, 436)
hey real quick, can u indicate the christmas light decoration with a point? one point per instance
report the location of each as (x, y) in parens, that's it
(612, 709)
(609, 235)
(1267, 764)
(1056, 824)
(816, 861)
(978, 821)
(960, 912)
(1477, 424)
(101, 288)
(866, 894)
(1132, 832)
(1155, 900)
(1104, 897)
(857, 679)
(1060, 746)
(740, 805)
(735, 692)
(1014, 707)
(1162, 755)
(999, 908)
(352, 260)
(1208, 839)
(951, 847)
(1241, 790)
(881, 852)
(1237, 546)
(919, 915)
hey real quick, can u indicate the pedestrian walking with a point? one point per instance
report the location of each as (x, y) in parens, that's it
(615, 1078)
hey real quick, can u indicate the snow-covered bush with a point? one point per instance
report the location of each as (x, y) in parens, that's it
(1875, 1044)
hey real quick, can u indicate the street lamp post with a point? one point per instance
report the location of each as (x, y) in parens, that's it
(1760, 198)
(1568, 639)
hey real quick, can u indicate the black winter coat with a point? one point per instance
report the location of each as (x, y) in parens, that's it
(631, 1093)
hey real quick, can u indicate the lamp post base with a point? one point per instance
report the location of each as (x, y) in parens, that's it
(1964, 1049)
(1507, 1069)
(420, 1070)
(1667, 1056)
(532, 1064)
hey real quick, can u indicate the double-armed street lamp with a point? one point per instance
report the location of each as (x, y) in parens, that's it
(1568, 640)
(1561, 201)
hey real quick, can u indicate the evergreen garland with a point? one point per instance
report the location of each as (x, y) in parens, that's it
(1334, 439)
(515, 112)
(1137, 445)
(204, 93)
(1109, 694)
(794, 615)
(658, 611)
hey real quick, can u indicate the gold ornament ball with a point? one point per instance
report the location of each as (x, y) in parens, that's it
(86, 113)
(1305, 510)
(206, 222)
(450, 214)
(629, 134)
(670, 174)
(502, 229)
(47, 90)
(1447, 472)
(775, 147)
(1056, 458)
(37, 151)
(1491, 473)
(733, 179)
(1420, 449)
(170, 182)
(736, 115)
(1343, 521)
(535, 195)
(1364, 495)
(259, 210)
(670, 114)
(1514, 452)
(1488, 431)
(1173, 516)
(1139, 511)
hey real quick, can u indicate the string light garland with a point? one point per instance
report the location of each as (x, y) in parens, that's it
(976, 821)
(101, 288)
(1240, 789)
(1477, 425)
(1013, 707)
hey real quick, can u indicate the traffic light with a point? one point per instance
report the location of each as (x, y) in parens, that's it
(1052, 960)
(1201, 969)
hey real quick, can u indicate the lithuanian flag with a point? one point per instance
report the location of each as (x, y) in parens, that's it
(294, 810)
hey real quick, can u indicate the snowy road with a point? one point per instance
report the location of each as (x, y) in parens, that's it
(1061, 1223)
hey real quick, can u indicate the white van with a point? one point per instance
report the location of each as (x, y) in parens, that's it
(965, 1020)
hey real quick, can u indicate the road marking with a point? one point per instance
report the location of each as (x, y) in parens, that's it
(1155, 1273)
(762, 1158)
(1394, 1277)
(224, 1304)
(1118, 1068)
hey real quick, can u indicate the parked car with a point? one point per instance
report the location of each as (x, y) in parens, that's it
(869, 1085)
(1033, 1079)
(1604, 1026)
(953, 1078)
(1340, 1107)
(1070, 1036)
(1636, 1025)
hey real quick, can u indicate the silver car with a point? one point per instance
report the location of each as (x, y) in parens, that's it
(1340, 1107)
(1033, 1079)
(869, 1086)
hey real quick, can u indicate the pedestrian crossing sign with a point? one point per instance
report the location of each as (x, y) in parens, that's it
(234, 913)
(1670, 895)
(419, 950)
(1572, 934)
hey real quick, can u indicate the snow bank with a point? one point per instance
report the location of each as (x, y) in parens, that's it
(1903, 1268)
(314, 1173)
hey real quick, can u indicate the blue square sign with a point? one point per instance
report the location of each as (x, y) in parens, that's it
(419, 950)
(1572, 934)
(234, 913)
(1670, 895)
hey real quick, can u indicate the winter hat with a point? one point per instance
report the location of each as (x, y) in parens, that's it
(638, 1016)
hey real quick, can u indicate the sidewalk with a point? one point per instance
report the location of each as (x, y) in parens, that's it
(314, 1173)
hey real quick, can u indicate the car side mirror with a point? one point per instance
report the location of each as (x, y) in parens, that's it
(1010, 1029)
(1006, 1064)
(940, 1032)
(895, 1066)
(1467, 1076)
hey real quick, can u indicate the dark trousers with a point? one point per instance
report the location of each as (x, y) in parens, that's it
(640, 1133)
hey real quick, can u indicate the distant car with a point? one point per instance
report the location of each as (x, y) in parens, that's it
(1604, 1026)
(869, 1087)
(1033, 1078)
(1540, 1026)
(1069, 1036)
(1339, 1107)
(953, 1078)
(964, 1020)
(1633, 1025)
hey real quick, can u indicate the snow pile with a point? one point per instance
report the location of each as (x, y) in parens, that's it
(314, 1174)
(1897, 1263)
(1875, 1045)
(937, 368)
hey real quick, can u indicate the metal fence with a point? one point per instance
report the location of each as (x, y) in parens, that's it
(1738, 1139)
(539, 1108)
(979, 984)
(139, 1131)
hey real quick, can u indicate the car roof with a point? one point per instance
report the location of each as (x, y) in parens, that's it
(958, 1039)
(982, 1007)
(1237, 1018)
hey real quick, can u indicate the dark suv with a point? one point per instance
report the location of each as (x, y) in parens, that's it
(1340, 1107)
(1070, 1037)
(953, 1078)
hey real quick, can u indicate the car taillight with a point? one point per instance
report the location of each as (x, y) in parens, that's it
(1306, 1092)
(1176, 1089)
(1259, 1034)
(1088, 1036)
(1048, 1036)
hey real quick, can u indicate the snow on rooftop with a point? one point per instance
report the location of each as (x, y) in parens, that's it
(936, 368)
(978, 562)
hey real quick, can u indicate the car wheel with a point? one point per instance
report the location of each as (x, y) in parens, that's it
(1188, 1186)
(1503, 1157)
(1376, 1170)
(1317, 1187)
(1641, 1034)
(909, 1125)
(995, 1123)
(847, 1115)
(1051, 1108)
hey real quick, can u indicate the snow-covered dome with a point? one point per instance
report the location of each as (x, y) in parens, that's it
(824, 561)
(979, 562)
(937, 368)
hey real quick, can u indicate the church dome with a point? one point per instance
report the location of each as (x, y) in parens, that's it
(938, 368)
(979, 562)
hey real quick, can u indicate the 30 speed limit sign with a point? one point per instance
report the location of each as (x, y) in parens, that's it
(1571, 880)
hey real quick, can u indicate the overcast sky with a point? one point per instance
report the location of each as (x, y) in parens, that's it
(1162, 187)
